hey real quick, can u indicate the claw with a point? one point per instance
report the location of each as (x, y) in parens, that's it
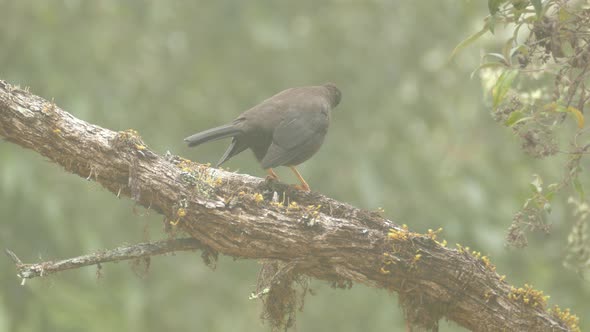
(303, 186)
(272, 175)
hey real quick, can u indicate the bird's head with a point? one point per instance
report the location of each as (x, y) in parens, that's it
(334, 94)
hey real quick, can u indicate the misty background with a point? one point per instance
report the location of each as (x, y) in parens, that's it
(412, 135)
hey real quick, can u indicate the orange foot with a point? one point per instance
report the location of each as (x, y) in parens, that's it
(303, 186)
(272, 175)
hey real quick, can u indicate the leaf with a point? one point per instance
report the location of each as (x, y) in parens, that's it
(486, 65)
(578, 187)
(506, 50)
(502, 86)
(520, 4)
(538, 7)
(497, 56)
(494, 5)
(514, 116)
(491, 23)
(537, 184)
(518, 48)
(547, 207)
(549, 195)
(577, 115)
(468, 41)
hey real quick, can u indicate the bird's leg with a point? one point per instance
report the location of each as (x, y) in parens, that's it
(304, 186)
(272, 175)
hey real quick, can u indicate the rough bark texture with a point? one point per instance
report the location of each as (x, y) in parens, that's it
(136, 251)
(248, 217)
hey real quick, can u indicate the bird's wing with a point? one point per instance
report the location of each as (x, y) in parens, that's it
(300, 133)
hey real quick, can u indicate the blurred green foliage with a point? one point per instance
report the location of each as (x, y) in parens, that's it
(412, 135)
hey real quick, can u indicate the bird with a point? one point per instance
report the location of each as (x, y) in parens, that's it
(283, 130)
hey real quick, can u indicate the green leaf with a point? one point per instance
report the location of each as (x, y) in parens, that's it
(552, 188)
(502, 86)
(518, 48)
(538, 7)
(491, 23)
(578, 187)
(513, 118)
(494, 5)
(486, 65)
(547, 207)
(520, 4)
(549, 195)
(468, 41)
(497, 56)
(506, 50)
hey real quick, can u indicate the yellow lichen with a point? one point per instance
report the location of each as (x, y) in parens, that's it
(432, 234)
(529, 296)
(277, 204)
(388, 258)
(218, 182)
(476, 254)
(275, 201)
(57, 131)
(181, 212)
(258, 198)
(130, 132)
(199, 176)
(293, 206)
(129, 139)
(462, 249)
(314, 210)
(185, 164)
(415, 260)
(570, 320)
(402, 233)
(417, 257)
(487, 263)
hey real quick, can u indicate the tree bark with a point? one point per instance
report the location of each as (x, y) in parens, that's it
(248, 217)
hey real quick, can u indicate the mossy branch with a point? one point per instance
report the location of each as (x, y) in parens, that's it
(247, 217)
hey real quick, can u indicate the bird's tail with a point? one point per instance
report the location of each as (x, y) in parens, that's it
(212, 134)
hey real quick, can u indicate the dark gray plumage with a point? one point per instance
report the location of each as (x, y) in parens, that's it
(284, 130)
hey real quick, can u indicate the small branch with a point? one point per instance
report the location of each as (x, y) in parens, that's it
(29, 271)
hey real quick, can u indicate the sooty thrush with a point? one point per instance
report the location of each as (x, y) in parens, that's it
(284, 130)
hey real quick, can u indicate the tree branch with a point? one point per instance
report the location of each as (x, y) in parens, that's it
(244, 216)
(140, 250)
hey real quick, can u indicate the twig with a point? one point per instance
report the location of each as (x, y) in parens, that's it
(28, 271)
